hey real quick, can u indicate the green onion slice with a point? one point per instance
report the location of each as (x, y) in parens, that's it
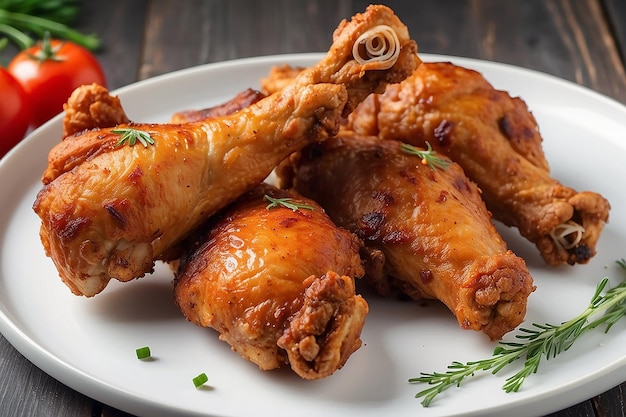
(200, 380)
(143, 352)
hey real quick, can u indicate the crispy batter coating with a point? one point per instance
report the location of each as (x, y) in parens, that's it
(495, 138)
(90, 107)
(277, 284)
(425, 231)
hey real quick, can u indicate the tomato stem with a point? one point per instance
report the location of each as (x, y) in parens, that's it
(46, 51)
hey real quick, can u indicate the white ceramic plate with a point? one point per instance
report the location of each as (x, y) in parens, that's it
(89, 344)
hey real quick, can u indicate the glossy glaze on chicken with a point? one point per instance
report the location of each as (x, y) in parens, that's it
(496, 140)
(277, 283)
(425, 231)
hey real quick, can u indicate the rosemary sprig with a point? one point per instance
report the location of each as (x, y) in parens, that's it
(131, 136)
(543, 340)
(286, 202)
(429, 156)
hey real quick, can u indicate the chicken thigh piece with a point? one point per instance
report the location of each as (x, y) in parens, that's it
(277, 283)
(425, 230)
(108, 209)
(496, 140)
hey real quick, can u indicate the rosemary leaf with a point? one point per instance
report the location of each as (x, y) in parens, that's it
(285, 202)
(429, 156)
(131, 136)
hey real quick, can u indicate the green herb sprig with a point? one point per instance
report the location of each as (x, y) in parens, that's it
(131, 136)
(286, 202)
(20, 20)
(543, 340)
(429, 156)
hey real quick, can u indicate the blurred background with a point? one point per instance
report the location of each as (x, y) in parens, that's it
(579, 40)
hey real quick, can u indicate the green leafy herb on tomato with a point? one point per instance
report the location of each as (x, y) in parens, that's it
(50, 71)
(14, 112)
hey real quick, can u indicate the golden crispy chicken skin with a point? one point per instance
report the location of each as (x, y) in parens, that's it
(109, 210)
(426, 231)
(277, 284)
(496, 140)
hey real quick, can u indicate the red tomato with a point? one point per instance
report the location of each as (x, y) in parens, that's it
(50, 71)
(14, 112)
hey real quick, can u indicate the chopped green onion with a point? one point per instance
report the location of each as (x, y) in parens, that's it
(200, 380)
(143, 352)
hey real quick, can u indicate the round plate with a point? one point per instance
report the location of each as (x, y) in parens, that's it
(89, 344)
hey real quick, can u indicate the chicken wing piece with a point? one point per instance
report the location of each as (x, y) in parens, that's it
(277, 283)
(426, 231)
(109, 209)
(495, 138)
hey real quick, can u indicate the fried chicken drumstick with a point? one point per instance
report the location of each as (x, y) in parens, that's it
(277, 283)
(109, 210)
(425, 231)
(496, 140)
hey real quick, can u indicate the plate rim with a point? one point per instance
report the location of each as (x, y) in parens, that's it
(80, 381)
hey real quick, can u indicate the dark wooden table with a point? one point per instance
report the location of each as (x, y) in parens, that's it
(579, 40)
